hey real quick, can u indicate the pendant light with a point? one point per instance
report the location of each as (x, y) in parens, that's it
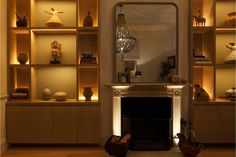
(124, 41)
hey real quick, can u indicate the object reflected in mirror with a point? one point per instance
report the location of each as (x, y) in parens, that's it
(138, 74)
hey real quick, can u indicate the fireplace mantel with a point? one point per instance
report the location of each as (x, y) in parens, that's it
(120, 90)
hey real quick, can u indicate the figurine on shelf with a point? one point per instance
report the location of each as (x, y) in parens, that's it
(231, 19)
(55, 52)
(88, 21)
(54, 20)
(200, 94)
(199, 19)
(231, 57)
(22, 21)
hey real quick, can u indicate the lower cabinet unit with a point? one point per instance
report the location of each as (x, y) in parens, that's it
(53, 123)
(64, 126)
(214, 122)
(41, 124)
(88, 125)
(18, 124)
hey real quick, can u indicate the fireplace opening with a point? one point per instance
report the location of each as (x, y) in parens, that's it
(149, 121)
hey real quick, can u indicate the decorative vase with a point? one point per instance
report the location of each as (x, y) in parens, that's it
(46, 94)
(231, 57)
(22, 58)
(88, 93)
(60, 96)
(231, 19)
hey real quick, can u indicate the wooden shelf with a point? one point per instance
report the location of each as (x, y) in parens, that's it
(20, 30)
(47, 30)
(200, 30)
(225, 30)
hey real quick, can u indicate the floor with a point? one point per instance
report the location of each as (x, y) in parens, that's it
(99, 152)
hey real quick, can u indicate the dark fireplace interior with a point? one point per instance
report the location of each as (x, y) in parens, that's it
(149, 121)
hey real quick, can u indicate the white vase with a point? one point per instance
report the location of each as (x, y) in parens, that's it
(46, 94)
(231, 57)
(60, 96)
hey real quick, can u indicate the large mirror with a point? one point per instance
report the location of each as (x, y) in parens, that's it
(153, 31)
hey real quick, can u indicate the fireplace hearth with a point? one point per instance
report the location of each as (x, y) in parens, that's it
(149, 121)
(151, 112)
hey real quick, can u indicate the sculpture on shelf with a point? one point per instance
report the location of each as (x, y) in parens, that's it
(46, 93)
(54, 20)
(231, 19)
(199, 19)
(88, 21)
(200, 94)
(55, 52)
(21, 20)
(231, 57)
(60, 96)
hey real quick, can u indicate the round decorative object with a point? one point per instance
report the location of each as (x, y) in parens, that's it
(60, 96)
(46, 94)
(22, 58)
(88, 93)
(176, 79)
(231, 92)
(231, 57)
(231, 19)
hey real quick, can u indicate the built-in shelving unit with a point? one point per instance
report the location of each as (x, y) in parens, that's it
(71, 75)
(212, 74)
(35, 40)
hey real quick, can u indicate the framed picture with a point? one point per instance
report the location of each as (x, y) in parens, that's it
(171, 62)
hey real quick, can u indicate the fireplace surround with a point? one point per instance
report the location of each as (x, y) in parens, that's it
(137, 107)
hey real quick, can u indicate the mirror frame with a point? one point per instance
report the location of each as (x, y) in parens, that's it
(114, 34)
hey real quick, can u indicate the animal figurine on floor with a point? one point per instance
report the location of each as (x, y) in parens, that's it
(200, 20)
(200, 94)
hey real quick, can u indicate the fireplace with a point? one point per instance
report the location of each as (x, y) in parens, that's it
(148, 120)
(150, 112)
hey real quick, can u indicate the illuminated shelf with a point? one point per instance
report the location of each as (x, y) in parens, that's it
(20, 30)
(46, 30)
(53, 65)
(200, 30)
(225, 30)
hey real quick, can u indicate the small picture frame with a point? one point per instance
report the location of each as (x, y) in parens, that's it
(171, 62)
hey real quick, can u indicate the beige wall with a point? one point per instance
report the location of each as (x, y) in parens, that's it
(3, 74)
(107, 53)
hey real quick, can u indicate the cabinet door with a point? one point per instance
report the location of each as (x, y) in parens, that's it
(227, 123)
(41, 124)
(64, 124)
(88, 131)
(205, 123)
(17, 124)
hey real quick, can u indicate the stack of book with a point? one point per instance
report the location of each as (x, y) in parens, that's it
(88, 60)
(201, 60)
(20, 93)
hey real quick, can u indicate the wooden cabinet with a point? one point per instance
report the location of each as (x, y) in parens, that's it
(64, 126)
(214, 123)
(79, 46)
(209, 69)
(29, 118)
(54, 123)
(88, 125)
(18, 124)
